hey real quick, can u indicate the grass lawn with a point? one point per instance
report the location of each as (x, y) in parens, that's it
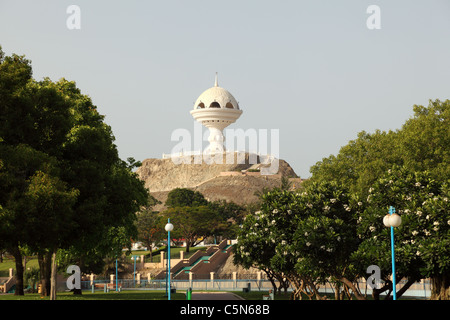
(88, 295)
(131, 295)
(9, 263)
(258, 295)
(174, 253)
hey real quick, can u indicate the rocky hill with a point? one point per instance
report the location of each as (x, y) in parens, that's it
(235, 182)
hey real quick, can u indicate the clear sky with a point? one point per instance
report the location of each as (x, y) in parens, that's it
(312, 69)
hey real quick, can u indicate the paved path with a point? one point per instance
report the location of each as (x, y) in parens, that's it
(215, 296)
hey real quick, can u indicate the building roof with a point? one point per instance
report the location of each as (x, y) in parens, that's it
(216, 97)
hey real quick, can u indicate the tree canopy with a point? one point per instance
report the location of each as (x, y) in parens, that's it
(191, 216)
(332, 230)
(59, 164)
(421, 144)
(184, 197)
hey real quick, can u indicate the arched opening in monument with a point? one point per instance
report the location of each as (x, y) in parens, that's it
(214, 105)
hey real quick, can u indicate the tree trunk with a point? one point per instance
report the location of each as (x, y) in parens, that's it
(337, 291)
(407, 285)
(189, 242)
(311, 289)
(271, 279)
(298, 285)
(388, 287)
(53, 277)
(45, 266)
(350, 284)
(19, 271)
(376, 292)
(440, 288)
(283, 282)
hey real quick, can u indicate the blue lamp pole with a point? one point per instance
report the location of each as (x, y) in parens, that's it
(168, 227)
(392, 220)
(117, 277)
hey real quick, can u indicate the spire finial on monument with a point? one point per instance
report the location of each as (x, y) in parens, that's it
(216, 83)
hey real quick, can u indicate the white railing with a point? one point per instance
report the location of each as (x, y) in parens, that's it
(264, 158)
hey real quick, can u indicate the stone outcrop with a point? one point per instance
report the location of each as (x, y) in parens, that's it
(234, 181)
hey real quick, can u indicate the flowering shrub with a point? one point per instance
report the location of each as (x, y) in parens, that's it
(259, 236)
(306, 236)
(422, 241)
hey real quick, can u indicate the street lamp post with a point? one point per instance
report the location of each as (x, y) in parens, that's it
(117, 276)
(168, 227)
(134, 257)
(392, 220)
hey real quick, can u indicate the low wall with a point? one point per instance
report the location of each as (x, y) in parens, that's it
(7, 283)
(236, 281)
(245, 173)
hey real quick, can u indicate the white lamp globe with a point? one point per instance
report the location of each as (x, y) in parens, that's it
(395, 220)
(386, 220)
(169, 227)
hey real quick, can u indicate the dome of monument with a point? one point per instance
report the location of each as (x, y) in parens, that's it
(216, 97)
(216, 109)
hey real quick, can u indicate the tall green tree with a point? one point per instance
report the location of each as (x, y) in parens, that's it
(110, 192)
(421, 144)
(193, 224)
(184, 197)
(150, 225)
(232, 216)
(48, 206)
(192, 216)
(61, 129)
(18, 164)
(424, 140)
(359, 163)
